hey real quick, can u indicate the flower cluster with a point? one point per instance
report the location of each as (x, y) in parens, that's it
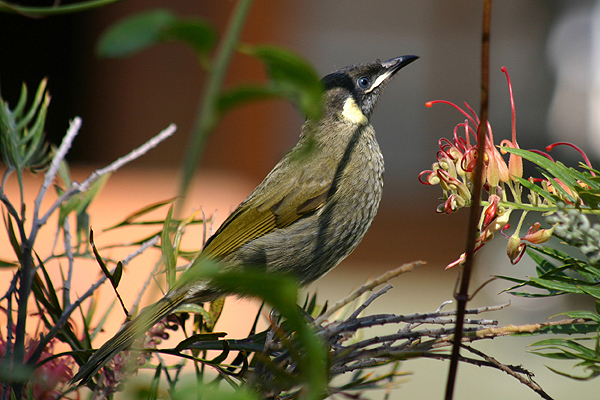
(454, 172)
(114, 375)
(51, 377)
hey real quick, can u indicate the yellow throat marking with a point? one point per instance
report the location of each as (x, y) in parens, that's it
(353, 113)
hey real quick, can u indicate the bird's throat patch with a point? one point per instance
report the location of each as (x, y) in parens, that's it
(353, 113)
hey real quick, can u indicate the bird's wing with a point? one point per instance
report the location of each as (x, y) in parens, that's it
(266, 210)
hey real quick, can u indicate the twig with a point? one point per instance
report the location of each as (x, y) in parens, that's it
(74, 189)
(94, 176)
(529, 382)
(367, 303)
(69, 310)
(70, 260)
(143, 247)
(338, 327)
(462, 296)
(367, 287)
(58, 157)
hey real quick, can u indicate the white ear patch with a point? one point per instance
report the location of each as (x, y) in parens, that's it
(378, 81)
(353, 113)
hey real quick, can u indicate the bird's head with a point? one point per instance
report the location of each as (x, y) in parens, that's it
(352, 92)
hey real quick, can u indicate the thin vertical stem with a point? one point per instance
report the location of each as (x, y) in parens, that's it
(462, 296)
(207, 116)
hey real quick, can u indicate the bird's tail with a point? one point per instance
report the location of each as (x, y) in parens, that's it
(128, 334)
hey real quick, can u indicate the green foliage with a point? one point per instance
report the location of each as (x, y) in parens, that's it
(572, 196)
(146, 29)
(22, 143)
(587, 358)
(571, 186)
(557, 274)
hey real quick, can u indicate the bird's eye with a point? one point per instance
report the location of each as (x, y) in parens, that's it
(364, 82)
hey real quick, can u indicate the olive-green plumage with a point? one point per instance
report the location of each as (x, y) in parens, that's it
(307, 215)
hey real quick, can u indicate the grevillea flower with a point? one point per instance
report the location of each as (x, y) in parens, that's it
(126, 363)
(454, 169)
(515, 162)
(50, 378)
(456, 159)
(535, 235)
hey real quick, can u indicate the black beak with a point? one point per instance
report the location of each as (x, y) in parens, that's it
(395, 64)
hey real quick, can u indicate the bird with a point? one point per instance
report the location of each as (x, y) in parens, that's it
(307, 215)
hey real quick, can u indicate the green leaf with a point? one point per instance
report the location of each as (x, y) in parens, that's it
(195, 32)
(281, 292)
(55, 309)
(210, 392)
(201, 337)
(193, 309)
(134, 216)
(135, 33)
(81, 202)
(293, 75)
(102, 321)
(153, 391)
(557, 285)
(118, 273)
(536, 189)
(10, 230)
(113, 278)
(8, 264)
(143, 30)
(168, 254)
(215, 310)
(583, 315)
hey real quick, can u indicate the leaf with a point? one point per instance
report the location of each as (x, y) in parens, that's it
(201, 337)
(135, 33)
(102, 321)
(129, 220)
(55, 310)
(194, 309)
(293, 75)
(536, 189)
(12, 236)
(153, 391)
(8, 264)
(166, 246)
(215, 310)
(81, 202)
(118, 273)
(143, 30)
(196, 32)
(566, 287)
(583, 315)
(113, 278)
(281, 292)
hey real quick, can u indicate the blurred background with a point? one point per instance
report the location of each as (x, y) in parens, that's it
(551, 50)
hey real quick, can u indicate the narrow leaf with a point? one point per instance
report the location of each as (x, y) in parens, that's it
(135, 33)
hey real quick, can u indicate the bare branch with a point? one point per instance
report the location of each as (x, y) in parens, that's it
(367, 287)
(94, 176)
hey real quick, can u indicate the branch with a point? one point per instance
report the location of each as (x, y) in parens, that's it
(367, 287)
(94, 176)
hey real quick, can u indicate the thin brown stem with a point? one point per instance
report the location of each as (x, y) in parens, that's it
(462, 296)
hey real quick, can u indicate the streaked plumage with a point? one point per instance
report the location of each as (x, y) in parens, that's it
(307, 215)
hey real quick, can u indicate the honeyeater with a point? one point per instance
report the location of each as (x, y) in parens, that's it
(307, 215)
